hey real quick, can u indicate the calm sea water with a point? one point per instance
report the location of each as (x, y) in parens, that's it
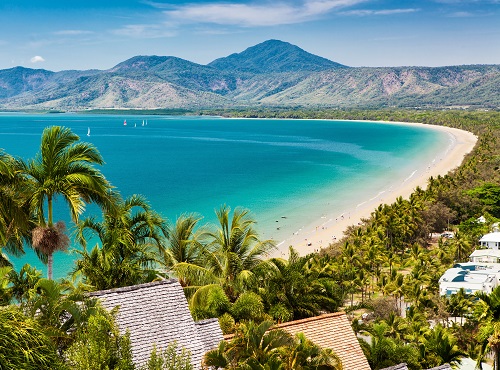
(300, 169)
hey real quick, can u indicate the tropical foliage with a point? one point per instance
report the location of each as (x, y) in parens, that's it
(256, 346)
(389, 264)
(131, 237)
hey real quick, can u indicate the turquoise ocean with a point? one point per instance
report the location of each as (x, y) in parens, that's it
(287, 171)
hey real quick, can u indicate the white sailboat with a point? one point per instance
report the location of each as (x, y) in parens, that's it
(143, 122)
(88, 132)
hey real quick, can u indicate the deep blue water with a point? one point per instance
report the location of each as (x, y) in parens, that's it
(298, 168)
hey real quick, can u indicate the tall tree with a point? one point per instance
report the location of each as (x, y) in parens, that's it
(233, 255)
(487, 312)
(184, 242)
(440, 347)
(64, 166)
(131, 240)
(16, 221)
(299, 287)
(259, 347)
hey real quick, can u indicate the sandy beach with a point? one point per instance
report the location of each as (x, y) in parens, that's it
(319, 233)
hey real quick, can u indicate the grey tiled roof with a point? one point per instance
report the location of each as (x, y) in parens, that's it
(210, 333)
(402, 366)
(158, 313)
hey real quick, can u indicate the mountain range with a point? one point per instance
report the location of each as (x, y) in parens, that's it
(272, 73)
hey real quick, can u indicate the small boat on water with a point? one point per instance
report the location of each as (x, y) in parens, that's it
(125, 123)
(88, 132)
(135, 124)
(143, 122)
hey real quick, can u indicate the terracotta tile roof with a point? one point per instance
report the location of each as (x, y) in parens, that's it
(158, 313)
(331, 331)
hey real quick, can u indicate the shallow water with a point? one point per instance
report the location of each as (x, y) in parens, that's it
(287, 172)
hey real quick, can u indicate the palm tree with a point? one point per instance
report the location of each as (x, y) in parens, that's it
(132, 237)
(24, 344)
(462, 246)
(305, 355)
(252, 345)
(184, 242)
(299, 287)
(383, 352)
(23, 281)
(441, 347)
(235, 249)
(60, 313)
(260, 347)
(16, 220)
(487, 312)
(63, 167)
(232, 257)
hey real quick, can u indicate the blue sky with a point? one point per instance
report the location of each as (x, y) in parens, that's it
(75, 34)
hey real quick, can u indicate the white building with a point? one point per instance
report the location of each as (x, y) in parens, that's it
(472, 277)
(485, 256)
(491, 240)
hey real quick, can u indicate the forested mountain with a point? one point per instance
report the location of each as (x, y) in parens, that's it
(271, 73)
(274, 56)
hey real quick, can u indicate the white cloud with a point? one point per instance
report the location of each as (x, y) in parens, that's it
(261, 14)
(37, 59)
(145, 31)
(461, 15)
(72, 32)
(366, 12)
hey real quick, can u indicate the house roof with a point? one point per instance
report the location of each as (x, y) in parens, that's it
(402, 366)
(210, 333)
(331, 331)
(158, 313)
(442, 367)
(485, 253)
(490, 237)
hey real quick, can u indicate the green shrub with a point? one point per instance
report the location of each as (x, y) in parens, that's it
(248, 306)
(227, 323)
(169, 359)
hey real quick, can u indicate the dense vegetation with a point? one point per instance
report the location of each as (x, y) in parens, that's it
(388, 264)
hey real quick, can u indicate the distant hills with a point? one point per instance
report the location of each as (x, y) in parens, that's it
(273, 73)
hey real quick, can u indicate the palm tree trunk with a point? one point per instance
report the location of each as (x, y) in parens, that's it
(50, 259)
(50, 220)
(50, 262)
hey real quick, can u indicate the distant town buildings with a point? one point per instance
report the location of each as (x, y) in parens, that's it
(481, 274)
(491, 240)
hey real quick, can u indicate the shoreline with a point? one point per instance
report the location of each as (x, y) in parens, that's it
(319, 233)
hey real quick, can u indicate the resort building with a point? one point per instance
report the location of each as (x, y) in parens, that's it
(472, 277)
(157, 314)
(490, 240)
(487, 256)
